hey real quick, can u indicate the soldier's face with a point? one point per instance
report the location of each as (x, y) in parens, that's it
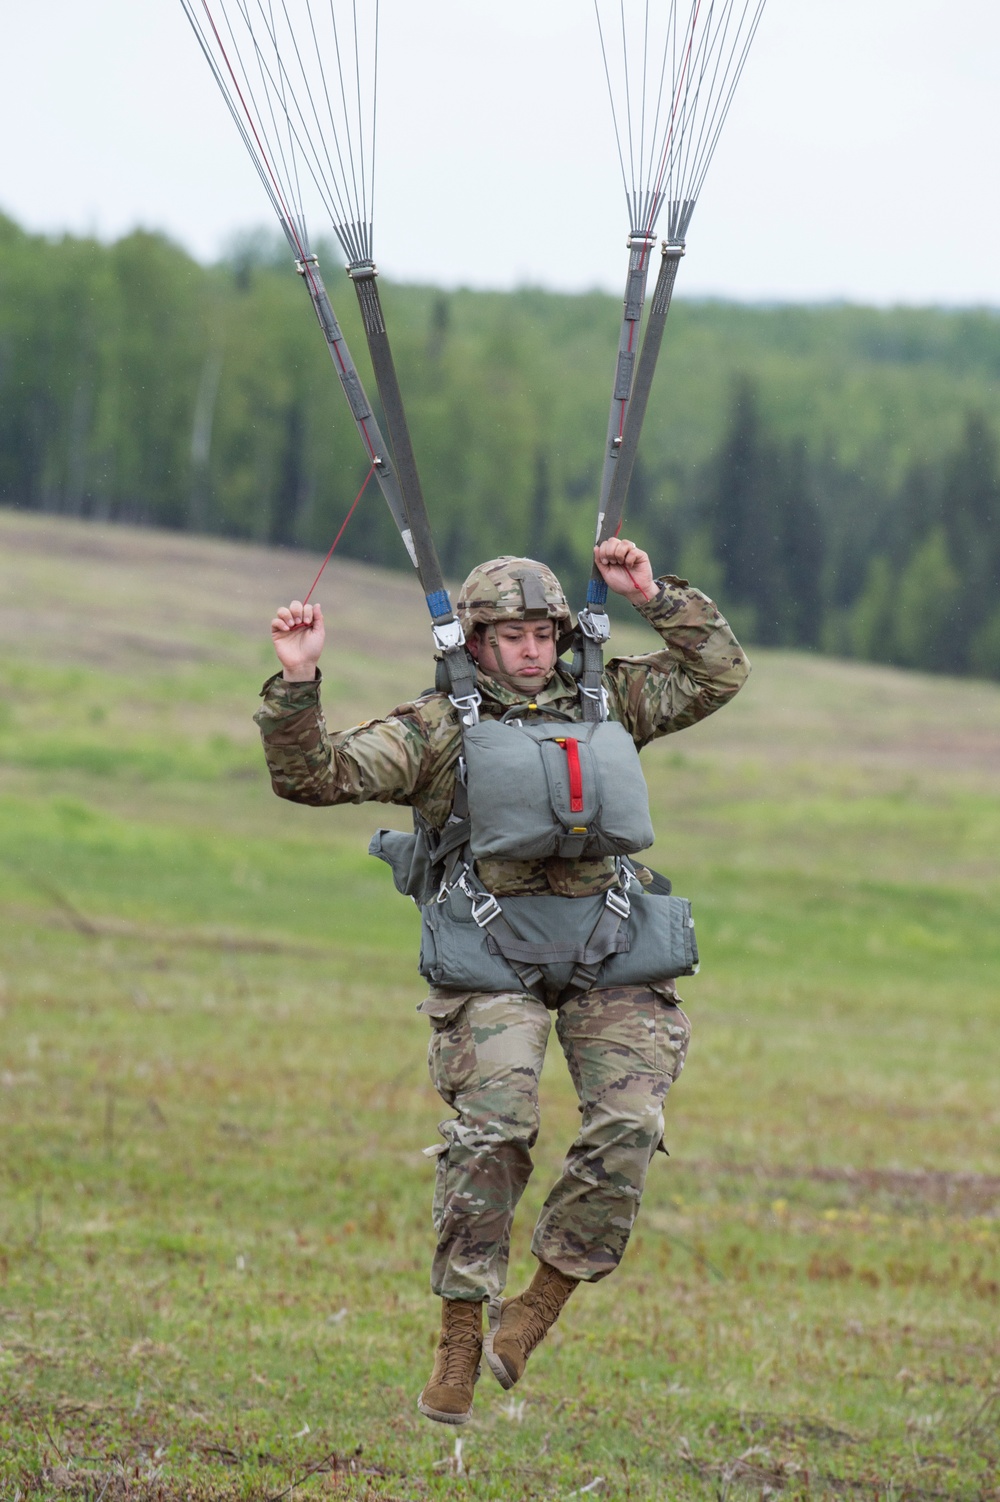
(522, 652)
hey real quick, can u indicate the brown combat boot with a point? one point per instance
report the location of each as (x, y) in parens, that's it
(449, 1391)
(517, 1325)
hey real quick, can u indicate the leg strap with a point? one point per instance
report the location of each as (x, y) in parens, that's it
(528, 960)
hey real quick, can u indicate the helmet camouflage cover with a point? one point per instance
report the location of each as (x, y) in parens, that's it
(512, 589)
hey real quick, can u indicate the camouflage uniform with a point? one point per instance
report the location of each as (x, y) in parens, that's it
(624, 1047)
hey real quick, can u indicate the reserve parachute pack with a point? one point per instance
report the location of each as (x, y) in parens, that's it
(537, 788)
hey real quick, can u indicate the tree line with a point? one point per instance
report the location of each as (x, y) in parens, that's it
(807, 554)
(831, 473)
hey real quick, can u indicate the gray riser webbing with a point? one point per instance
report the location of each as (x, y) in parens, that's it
(447, 632)
(640, 248)
(361, 408)
(642, 385)
(642, 238)
(365, 285)
(614, 508)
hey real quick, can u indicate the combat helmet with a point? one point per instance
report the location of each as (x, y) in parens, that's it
(512, 589)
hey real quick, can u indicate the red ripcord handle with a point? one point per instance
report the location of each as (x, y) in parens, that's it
(572, 749)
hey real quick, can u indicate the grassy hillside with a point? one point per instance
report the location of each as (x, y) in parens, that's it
(214, 1223)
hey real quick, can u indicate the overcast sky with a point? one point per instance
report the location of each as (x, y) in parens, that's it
(860, 159)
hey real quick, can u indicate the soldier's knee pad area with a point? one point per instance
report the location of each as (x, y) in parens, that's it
(479, 1176)
(623, 1120)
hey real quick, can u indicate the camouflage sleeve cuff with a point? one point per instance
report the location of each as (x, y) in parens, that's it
(282, 697)
(691, 626)
(676, 603)
(697, 669)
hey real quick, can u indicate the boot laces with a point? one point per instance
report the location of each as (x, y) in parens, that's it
(460, 1344)
(543, 1307)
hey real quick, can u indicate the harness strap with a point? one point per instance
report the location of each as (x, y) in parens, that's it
(593, 952)
(605, 939)
(489, 916)
(451, 851)
(527, 959)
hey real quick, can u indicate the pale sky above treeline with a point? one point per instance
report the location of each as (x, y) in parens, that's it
(859, 160)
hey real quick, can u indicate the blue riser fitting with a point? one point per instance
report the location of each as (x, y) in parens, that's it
(439, 604)
(597, 592)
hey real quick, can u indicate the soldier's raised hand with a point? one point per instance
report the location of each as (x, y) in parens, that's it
(626, 569)
(298, 634)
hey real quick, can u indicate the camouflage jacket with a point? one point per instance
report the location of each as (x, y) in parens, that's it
(411, 756)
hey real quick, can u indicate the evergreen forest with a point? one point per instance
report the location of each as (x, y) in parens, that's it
(830, 473)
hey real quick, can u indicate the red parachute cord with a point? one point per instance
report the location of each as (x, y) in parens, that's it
(333, 546)
(635, 583)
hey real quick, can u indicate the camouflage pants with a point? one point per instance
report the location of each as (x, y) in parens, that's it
(624, 1048)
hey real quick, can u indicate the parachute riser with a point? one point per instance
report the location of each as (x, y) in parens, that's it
(446, 629)
(279, 85)
(363, 275)
(365, 421)
(595, 627)
(640, 246)
(610, 522)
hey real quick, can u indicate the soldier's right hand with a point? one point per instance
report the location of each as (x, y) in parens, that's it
(298, 635)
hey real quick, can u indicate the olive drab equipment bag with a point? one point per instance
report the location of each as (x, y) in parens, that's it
(556, 946)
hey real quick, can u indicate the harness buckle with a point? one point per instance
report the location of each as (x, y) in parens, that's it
(596, 627)
(485, 908)
(618, 902)
(447, 887)
(599, 696)
(448, 634)
(467, 706)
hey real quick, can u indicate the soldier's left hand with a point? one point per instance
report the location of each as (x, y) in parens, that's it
(626, 569)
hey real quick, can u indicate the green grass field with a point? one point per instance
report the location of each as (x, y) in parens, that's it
(215, 1213)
